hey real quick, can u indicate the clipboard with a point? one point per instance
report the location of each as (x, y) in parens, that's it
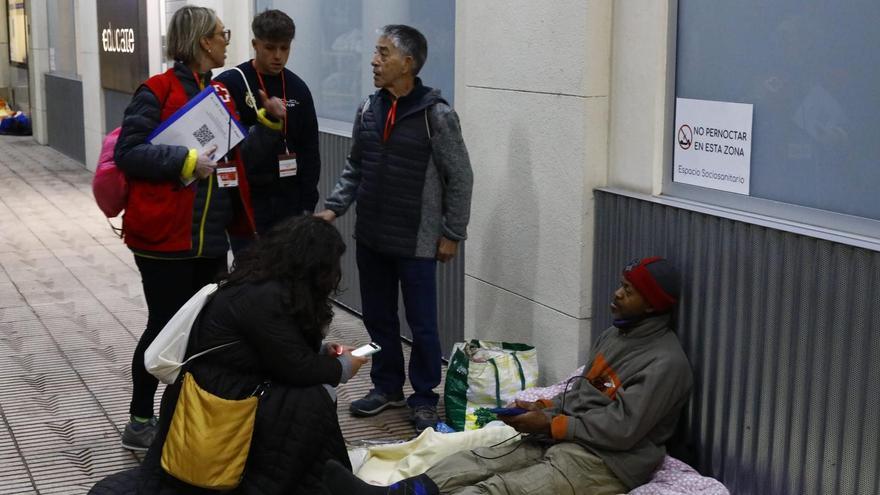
(203, 122)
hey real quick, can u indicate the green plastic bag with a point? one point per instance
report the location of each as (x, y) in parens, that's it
(485, 374)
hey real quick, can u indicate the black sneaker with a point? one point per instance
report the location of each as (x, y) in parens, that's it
(139, 436)
(424, 417)
(374, 403)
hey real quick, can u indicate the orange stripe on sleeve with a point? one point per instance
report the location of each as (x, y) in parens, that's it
(559, 427)
(546, 403)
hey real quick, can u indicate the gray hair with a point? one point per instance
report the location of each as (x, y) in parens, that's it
(408, 40)
(185, 31)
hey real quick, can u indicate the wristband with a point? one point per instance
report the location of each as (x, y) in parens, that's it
(263, 119)
(189, 165)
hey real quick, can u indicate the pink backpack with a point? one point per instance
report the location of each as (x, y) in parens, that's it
(109, 185)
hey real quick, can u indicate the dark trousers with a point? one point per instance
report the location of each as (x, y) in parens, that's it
(380, 276)
(168, 284)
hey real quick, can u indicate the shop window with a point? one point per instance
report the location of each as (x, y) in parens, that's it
(62, 38)
(17, 22)
(334, 44)
(810, 69)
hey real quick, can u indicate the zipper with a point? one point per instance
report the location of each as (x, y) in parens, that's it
(205, 216)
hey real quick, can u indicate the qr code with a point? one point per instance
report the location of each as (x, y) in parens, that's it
(203, 135)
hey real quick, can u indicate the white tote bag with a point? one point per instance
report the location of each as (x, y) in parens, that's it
(164, 357)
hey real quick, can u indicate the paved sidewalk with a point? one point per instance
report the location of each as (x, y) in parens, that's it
(71, 310)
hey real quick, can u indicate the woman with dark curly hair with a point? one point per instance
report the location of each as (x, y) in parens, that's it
(275, 305)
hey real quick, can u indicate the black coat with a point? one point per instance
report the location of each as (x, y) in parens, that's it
(296, 429)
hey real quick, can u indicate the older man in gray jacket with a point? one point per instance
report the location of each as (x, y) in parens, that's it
(606, 435)
(410, 174)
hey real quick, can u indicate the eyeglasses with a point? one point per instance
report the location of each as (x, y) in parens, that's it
(227, 34)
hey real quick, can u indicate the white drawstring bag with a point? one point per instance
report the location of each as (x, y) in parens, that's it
(164, 357)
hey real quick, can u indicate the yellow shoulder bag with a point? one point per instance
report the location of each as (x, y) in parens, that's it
(209, 438)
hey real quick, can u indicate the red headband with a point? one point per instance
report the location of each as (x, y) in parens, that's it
(647, 286)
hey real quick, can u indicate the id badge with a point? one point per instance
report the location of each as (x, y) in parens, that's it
(227, 177)
(287, 165)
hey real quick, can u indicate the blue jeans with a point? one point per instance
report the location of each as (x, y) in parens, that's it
(380, 276)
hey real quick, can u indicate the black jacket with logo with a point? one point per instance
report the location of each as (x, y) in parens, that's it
(275, 198)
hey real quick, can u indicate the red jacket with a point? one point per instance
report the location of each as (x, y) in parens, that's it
(159, 213)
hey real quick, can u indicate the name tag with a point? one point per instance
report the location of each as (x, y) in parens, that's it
(287, 165)
(227, 177)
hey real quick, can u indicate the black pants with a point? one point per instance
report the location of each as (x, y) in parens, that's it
(168, 284)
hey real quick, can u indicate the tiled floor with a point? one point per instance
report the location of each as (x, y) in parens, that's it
(71, 310)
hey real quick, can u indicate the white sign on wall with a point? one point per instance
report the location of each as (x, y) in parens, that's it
(713, 144)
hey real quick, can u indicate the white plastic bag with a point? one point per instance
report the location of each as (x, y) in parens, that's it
(164, 357)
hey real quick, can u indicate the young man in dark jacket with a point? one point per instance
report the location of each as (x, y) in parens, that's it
(410, 174)
(606, 435)
(286, 184)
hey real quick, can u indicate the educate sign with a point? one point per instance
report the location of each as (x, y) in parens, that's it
(713, 144)
(122, 44)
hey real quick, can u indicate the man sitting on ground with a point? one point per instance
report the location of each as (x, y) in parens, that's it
(604, 436)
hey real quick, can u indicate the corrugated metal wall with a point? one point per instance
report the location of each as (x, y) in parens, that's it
(63, 102)
(450, 276)
(783, 333)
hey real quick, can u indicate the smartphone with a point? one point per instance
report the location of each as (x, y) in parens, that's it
(366, 350)
(508, 411)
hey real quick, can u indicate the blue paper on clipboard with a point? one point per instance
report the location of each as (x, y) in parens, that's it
(203, 122)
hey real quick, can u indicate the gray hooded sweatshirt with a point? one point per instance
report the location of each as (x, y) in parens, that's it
(626, 406)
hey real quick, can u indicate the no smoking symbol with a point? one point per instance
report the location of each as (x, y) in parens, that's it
(685, 136)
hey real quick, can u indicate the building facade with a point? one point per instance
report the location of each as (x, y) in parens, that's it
(569, 113)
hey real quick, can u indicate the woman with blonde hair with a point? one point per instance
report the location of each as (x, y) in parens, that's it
(178, 215)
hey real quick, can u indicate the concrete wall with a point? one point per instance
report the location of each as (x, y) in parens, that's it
(38, 64)
(89, 70)
(642, 89)
(236, 16)
(532, 87)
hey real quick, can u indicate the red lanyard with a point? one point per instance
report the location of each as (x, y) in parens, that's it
(283, 94)
(389, 121)
(198, 80)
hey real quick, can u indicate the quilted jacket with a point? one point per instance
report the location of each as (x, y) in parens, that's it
(412, 188)
(165, 218)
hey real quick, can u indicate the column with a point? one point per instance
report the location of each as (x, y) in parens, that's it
(89, 69)
(533, 93)
(38, 65)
